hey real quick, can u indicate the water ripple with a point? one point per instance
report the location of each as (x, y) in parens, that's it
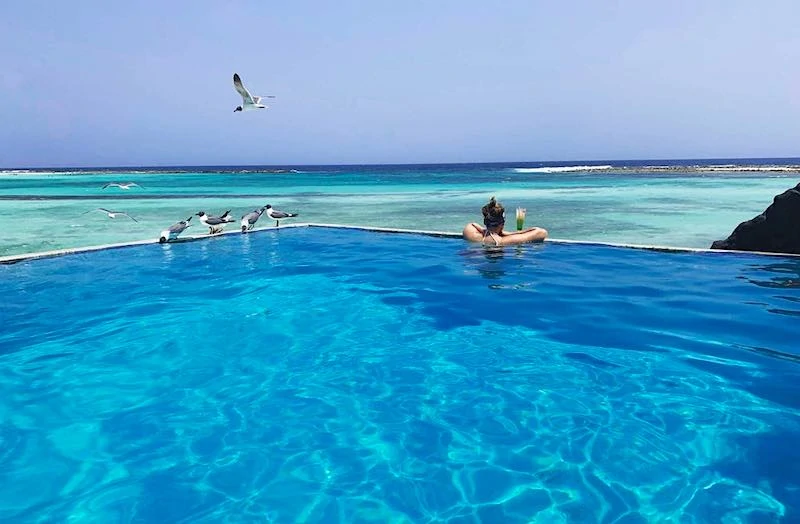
(322, 376)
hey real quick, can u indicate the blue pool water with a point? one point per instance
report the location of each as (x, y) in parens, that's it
(317, 375)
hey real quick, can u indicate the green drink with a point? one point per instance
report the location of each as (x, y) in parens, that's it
(520, 218)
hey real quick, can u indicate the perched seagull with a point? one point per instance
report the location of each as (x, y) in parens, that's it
(277, 216)
(249, 102)
(112, 214)
(126, 185)
(174, 230)
(214, 224)
(249, 220)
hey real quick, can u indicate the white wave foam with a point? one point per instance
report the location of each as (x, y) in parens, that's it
(748, 168)
(559, 169)
(33, 172)
(155, 171)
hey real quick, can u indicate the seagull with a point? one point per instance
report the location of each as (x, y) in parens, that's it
(226, 217)
(174, 230)
(249, 102)
(277, 216)
(126, 185)
(249, 220)
(214, 224)
(112, 214)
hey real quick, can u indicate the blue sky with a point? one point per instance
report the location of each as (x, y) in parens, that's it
(149, 83)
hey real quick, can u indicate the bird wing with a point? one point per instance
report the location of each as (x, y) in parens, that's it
(237, 83)
(281, 214)
(177, 228)
(110, 184)
(103, 210)
(127, 215)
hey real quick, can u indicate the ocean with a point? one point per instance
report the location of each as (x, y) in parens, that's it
(678, 203)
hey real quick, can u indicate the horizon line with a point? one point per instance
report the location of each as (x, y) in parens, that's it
(573, 161)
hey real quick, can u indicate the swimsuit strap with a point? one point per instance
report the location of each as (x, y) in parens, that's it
(492, 222)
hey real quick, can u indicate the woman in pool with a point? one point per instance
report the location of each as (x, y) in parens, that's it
(493, 234)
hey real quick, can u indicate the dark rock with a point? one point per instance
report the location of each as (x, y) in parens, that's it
(776, 230)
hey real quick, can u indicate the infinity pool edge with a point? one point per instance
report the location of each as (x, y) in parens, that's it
(13, 259)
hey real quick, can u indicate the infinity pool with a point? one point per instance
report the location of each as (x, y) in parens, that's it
(317, 375)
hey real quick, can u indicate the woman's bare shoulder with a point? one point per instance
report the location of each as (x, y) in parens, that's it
(473, 232)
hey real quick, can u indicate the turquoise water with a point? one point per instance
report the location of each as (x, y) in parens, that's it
(313, 375)
(680, 207)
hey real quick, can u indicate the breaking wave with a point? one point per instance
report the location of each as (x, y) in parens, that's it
(560, 169)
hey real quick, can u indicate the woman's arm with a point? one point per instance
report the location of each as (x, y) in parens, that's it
(532, 234)
(524, 231)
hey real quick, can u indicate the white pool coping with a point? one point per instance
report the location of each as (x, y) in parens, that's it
(12, 259)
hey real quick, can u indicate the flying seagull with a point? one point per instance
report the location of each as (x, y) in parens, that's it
(174, 230)
(249, 102)
(112, 214)
(249, 220)
(126, 185)
(277, 216)
(214, 224)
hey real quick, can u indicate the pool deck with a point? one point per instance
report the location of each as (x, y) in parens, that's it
(12, 259)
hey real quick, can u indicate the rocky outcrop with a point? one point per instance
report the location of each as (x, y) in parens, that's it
(776, 230)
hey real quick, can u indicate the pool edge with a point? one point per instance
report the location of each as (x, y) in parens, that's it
(647, 247)
(13, 259)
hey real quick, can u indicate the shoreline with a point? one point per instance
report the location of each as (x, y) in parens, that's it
(13, 259)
